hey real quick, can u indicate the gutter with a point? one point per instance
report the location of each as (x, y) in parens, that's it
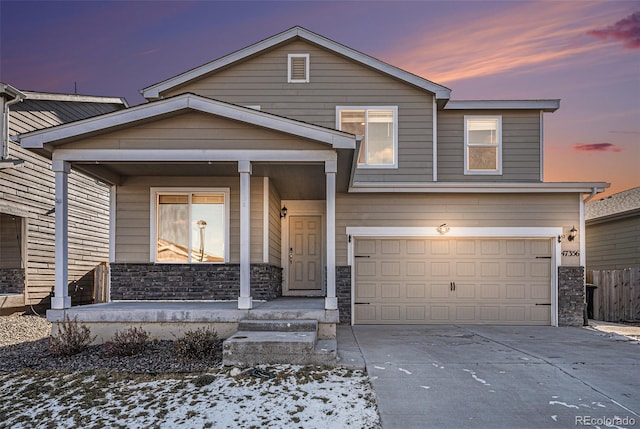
(17, 96)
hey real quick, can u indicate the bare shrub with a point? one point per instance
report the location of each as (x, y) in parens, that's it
(199, 344)
(71, 339)
(127, 343)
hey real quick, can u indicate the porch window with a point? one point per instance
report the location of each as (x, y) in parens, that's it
(191, 227)
(379, 128)
(483, 144)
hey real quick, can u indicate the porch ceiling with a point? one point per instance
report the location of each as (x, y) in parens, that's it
(293, 181)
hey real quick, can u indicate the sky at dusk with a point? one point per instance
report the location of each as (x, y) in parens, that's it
(586, 53)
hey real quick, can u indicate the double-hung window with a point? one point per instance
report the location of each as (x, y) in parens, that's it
(189, 226)
(483, 145)
(379, 128)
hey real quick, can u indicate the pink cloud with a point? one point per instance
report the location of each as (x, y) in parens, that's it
(489, 44)
(626, 30)
(596, 147)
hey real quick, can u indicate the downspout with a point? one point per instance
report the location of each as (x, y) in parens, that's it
(18, 97)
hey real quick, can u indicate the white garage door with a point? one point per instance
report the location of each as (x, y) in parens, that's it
(423, 281)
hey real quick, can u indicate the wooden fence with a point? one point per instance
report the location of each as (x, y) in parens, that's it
(617, 297)
(101, 283)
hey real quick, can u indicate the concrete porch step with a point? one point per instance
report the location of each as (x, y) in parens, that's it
(278, 341)
(280, 325)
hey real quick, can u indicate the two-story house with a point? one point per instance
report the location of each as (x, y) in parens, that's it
(300, 167)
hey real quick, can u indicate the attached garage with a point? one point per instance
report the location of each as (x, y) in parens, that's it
(462, 280)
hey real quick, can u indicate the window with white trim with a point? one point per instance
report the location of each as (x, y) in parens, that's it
(379, 128)
(298, 68)
(190, 226)
(483, 145)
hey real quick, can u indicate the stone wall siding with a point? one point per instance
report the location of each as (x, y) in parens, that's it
(571, 297)
(11, 280)
(191, 281)
(343, 292)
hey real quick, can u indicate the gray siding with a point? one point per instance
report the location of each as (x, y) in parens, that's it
(520, 147)
(334, 81)
(463, 210)
(133, 214)
(275, 226)
(613, 245)
(29, 192)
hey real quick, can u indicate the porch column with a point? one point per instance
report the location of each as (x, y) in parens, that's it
(61, 298)
(244, 300)
(330, 169)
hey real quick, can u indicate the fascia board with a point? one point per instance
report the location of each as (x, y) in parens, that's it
(443, 187)
(74, 98)
(154, 91)
(37, 139)
(550, 105)
(337, 139)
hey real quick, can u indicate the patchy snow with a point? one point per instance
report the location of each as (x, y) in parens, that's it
(564, 404)
(405, 371)
(379, 367)
(296, 396)
(554, 417)
(476, 378)
(426, 387)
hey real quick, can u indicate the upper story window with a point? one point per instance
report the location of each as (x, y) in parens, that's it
(298, 68)
(483, 145)
(188, 226)
(379, 128)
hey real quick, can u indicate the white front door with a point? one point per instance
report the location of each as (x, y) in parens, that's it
(304, 256)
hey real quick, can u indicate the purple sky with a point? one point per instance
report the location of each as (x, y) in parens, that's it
(586, 53)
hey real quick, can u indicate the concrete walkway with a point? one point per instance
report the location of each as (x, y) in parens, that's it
(446, 376)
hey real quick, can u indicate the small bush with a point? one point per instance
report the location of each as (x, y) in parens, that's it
(199, 344)
(127, 343)
(204, 380)
(71, 339)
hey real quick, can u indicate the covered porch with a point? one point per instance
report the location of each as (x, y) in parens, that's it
(194, 146)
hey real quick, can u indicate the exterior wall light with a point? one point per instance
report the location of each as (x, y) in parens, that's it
(573, 232)
(283, 212)
(443, 229)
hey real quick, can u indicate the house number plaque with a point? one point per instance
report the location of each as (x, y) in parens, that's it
(570, 253)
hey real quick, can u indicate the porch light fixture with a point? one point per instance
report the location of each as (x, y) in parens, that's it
(283, 212)
(443, 229)
(573, 232)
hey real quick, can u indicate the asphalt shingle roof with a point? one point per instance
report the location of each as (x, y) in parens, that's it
(621, 202)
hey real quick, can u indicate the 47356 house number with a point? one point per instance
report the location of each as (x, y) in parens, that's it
(570, 253)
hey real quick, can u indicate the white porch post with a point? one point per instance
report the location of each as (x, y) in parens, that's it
(61, 298)
(331, 301)
(244, 300)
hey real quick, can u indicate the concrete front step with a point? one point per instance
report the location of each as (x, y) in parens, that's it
(281, 325)
(278, 341)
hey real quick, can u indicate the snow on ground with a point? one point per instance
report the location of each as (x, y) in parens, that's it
(296, 396)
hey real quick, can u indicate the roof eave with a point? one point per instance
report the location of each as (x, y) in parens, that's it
(37, 139)
(546, 105)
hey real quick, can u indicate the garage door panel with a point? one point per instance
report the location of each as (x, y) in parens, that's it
(390, 290)
(440, 290)
(490, 291)
(440, 280)
(416, 290)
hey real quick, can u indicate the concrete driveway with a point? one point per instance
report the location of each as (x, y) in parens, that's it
(500, 377)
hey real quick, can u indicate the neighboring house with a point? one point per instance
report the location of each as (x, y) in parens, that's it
(613, 231)
(27, 216)
(300, 167)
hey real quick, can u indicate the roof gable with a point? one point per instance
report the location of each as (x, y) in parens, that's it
(154, 91)
(181, 103)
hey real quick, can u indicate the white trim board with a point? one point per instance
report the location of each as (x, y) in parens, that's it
(353, 232)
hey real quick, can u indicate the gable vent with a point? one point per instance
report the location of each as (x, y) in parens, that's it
(298, 68)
